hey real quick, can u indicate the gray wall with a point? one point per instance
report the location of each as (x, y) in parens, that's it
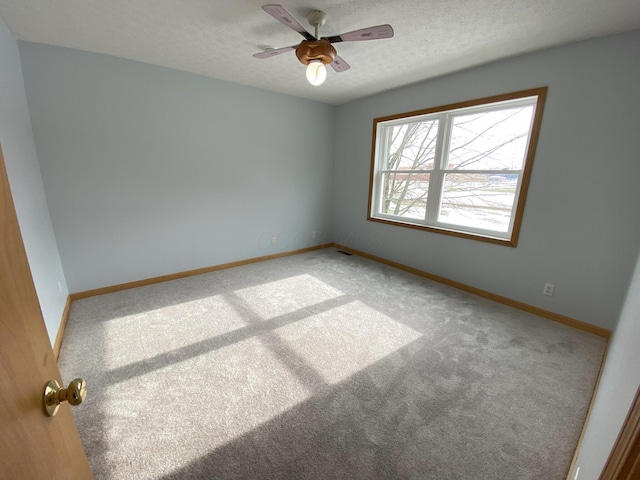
(150, 171)
(25, 180)
(620, 379)
(580, 229)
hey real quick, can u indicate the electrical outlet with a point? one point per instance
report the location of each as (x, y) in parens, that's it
(313, 234)
(274, 240)
(548, 289)
(60, 286)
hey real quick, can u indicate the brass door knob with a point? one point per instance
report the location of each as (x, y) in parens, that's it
(54, 394)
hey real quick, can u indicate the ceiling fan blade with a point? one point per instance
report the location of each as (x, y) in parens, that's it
(279, 13)
(371, 33)
(339, 65)
(273, 52)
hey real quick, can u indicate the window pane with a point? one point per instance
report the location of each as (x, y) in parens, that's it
(412, 146)
(478, 200)
(405, 194)
(494, 140)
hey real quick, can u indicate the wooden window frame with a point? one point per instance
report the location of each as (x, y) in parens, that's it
(509, 239)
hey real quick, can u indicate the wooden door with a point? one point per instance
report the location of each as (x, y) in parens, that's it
(32, 444)
(624, 459)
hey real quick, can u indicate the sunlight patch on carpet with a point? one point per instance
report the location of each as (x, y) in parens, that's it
(275, 298)
(273, 371)
(167, 329)
(213, 390)
(340, 342)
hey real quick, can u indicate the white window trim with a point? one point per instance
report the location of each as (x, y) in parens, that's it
(445, 114)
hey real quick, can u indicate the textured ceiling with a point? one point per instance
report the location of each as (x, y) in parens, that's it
(217, 38)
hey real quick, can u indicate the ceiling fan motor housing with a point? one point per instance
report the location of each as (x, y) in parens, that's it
(310, 50)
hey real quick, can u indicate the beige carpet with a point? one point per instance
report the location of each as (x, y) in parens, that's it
(324, 366)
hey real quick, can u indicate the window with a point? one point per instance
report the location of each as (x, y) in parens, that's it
(459, 169)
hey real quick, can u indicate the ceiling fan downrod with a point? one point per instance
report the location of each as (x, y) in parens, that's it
(316, 19)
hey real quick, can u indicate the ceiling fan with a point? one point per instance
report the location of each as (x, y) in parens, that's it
(316, 52)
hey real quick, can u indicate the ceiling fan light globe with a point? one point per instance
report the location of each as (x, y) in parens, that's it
(316, 73)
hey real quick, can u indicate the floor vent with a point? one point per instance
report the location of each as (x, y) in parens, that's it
(345, 253)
